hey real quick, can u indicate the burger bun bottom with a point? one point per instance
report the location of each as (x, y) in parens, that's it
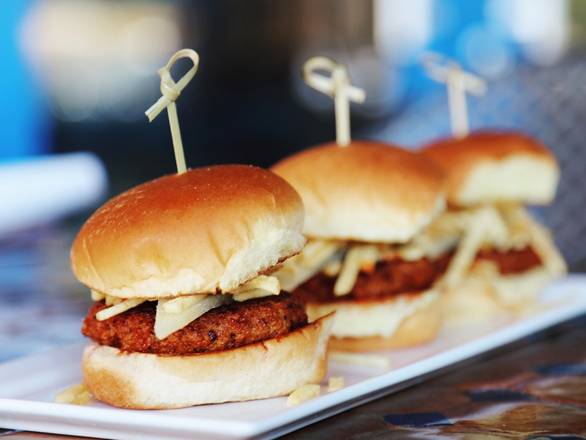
(270, 368)
(420, 326)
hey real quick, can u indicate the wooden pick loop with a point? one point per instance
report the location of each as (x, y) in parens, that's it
(337, 86)
(170, 91)
(458, 82)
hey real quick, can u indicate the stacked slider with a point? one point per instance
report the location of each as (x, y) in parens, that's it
(186, 310)
(367, 205)
(503, 258)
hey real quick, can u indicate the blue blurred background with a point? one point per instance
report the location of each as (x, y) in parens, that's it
(77, 76)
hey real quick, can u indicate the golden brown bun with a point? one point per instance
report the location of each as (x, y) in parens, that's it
(417, 329)
(206, 229)
(367, 191)
(271, 368)
(491, 167)
(399, 321)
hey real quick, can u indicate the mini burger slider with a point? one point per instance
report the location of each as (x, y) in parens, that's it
(186, 310)
(503, 257)
(366, 206)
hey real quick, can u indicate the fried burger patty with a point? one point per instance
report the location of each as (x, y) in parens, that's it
(388, 278)
(397, 276)
(511, 261)
(229, 326)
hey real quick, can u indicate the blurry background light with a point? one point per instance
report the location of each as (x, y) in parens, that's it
(401, 29)
(540, 27)
(380, 79)
(94, 55)
(485, 49)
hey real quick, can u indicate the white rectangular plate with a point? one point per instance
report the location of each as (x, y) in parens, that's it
(28, 385)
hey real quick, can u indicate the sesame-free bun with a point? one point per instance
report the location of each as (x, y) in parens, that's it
(270, 368)
(492, 167)
(367, 191)
(400, 321)
(205, 230)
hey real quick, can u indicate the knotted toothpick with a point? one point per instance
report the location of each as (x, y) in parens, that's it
(170, 91)
(458, 82)
(337, 86)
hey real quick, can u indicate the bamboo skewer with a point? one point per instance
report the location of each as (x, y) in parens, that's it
(170, 91)
(458, 83)
(337, 86)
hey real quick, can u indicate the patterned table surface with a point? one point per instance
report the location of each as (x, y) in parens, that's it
(534, 389)
(41, 304)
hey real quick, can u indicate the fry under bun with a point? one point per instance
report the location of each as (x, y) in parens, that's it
(367, 191)
(207, 229)
(270, 368)
(492, 167)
